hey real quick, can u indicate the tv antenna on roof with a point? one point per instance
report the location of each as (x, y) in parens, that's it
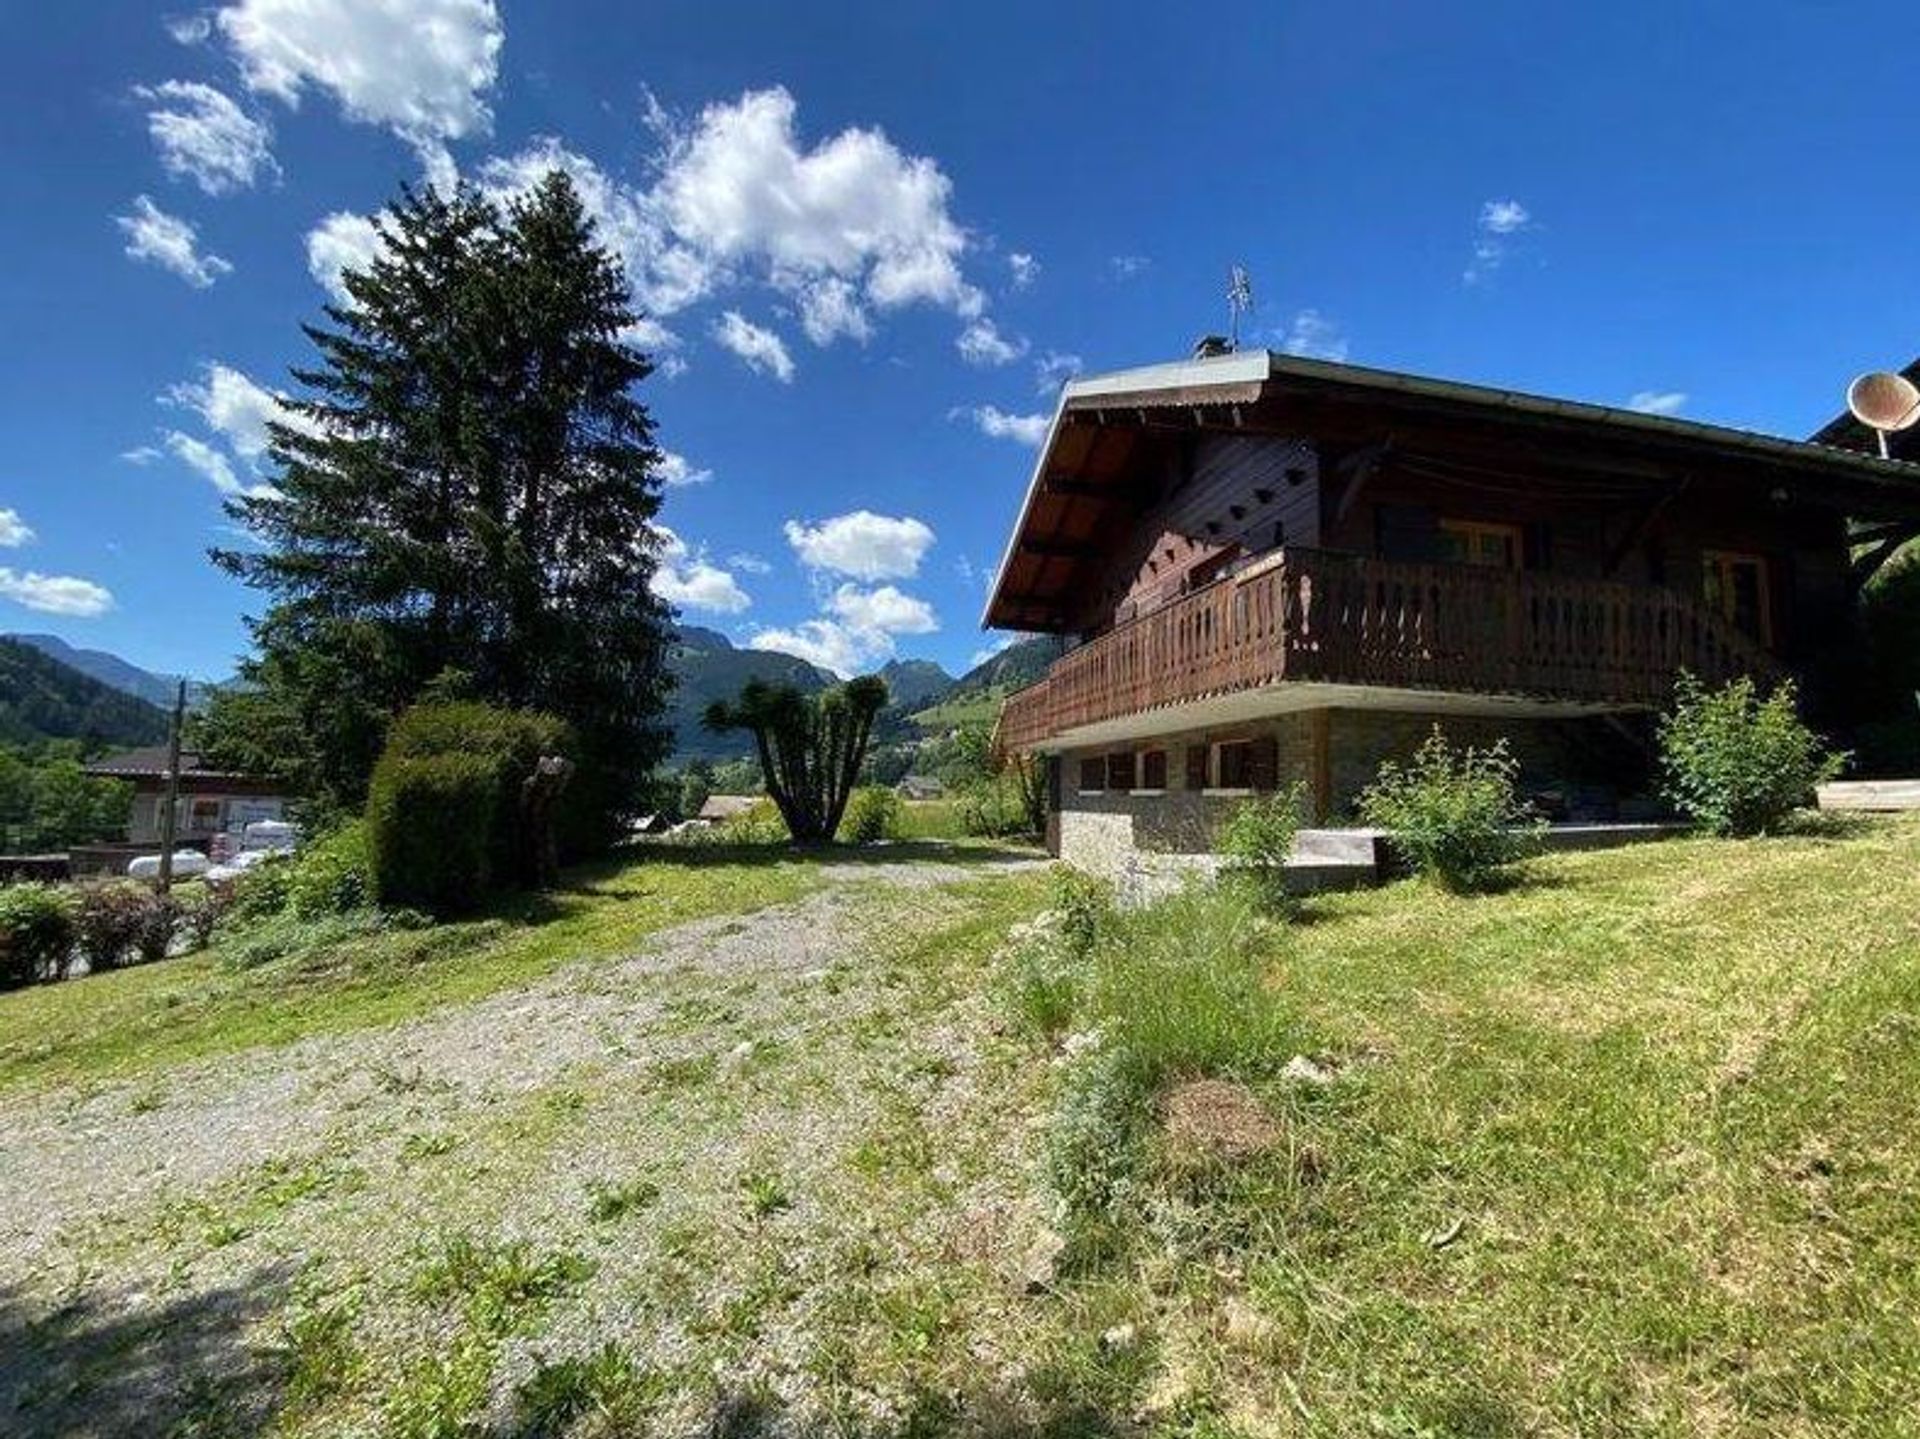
(1885, 403)
(1239, 302)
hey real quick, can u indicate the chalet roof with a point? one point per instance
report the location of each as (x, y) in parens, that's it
(1223, 392)
(150, 762)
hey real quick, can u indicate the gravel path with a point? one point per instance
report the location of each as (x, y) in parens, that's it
(103, 1199)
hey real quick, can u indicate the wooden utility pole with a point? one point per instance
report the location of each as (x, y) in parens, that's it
(170, 804)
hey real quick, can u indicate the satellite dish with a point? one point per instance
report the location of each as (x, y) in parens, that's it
(1885, 402)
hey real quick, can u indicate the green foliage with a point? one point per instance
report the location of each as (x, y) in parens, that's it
(1085, 907)
(1454, 815)
(696, 785)
(1257, 836)
(47, 802)
(811, 747)
(467, 484)
(332, 874)
(608, 1202)
(446, 819)
(43, 699)
(1738, 763)
(262, 890)
(1007, 805)
(283, 935)
(1884, 682)
(1042, 980)
(36, 933)
(600, 1396)
(120, 922)
(873, 814)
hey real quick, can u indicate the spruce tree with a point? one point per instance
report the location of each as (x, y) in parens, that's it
(465, 488)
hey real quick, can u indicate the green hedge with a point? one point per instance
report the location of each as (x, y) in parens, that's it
(36, 933)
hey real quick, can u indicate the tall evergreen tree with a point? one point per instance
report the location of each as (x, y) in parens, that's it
(466, 488)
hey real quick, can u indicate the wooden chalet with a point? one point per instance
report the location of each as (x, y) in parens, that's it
(1268, 568)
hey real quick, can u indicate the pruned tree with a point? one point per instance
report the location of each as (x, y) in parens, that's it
(810, 747)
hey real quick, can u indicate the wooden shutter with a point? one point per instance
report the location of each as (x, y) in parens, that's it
(1153, 769)
(1196, 767)
(1263, 763)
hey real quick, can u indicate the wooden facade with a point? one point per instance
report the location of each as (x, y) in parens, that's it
(1258, 522)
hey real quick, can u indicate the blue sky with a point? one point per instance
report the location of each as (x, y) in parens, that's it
(871, 239)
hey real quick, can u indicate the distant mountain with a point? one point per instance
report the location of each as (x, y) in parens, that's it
(975, 697)
(710, 667)
(42, 699)
(913, 684)
(122, 675)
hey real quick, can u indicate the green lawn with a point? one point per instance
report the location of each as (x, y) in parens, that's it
(1626, 1149)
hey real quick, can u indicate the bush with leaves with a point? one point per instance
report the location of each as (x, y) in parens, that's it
(1737, 762)
(333, 874)
(121, 922)
(201, 911)
(36, 933)
(811, 747)
(873, 815)
(1257, 840)
(1454, 815)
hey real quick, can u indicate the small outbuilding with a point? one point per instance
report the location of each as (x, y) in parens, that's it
(920, 786)
(212, 801)
(720, 808)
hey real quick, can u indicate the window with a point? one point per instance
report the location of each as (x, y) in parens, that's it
(1120, 771)
(1153, 770)
(1735, 587)
(1233, 764)
(203, 817)
(1093, 776)
(1472, 542)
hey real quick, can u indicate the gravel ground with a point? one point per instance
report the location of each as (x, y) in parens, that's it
(160, 1238)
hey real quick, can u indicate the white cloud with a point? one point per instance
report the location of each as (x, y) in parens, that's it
(420, 68)
(1126, 267)
(1024, 269)
(885, 609)
(997, 424)
(749, 563)
(819, 642)
(55, 594)
(999, 646)
(14, 531)
(1499, 221)
(169, 242)
(1312, 334)
(234, 407)
(862, 545)
(140, 455)
(759, 348)
(1658, 402)
(684, 577)
(189, 29)
(675, 470)
(342, 241)
(1054, 369)
(203, 136)
(202, 457)
(830, 308)
(981, 343)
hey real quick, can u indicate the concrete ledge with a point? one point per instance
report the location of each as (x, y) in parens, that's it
(1870, 796)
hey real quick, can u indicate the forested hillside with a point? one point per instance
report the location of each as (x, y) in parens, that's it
(43, 699)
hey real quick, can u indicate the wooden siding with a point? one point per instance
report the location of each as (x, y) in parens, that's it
(1306, 615)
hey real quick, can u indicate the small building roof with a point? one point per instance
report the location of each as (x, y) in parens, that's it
(150, 762)
(1098, 444)
(727, 806)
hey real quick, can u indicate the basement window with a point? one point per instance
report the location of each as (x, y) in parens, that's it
(1093, 776)
(1153, 772)
(1232, 767)
(1120, 771)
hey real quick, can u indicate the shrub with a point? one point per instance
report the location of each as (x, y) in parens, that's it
(36, 933)
(1041, 981)
(1454, 815)
(262, 890)
(1737, 763)
(201, 911)
(1085, 905)
(331, 875)
(431, 821)
(1257, 838)
(873, 814)
(120, 922)
(1001, 807)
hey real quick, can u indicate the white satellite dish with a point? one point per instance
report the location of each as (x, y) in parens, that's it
(1884, 402)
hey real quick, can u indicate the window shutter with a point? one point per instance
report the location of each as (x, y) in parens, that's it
(1263, 763)
(1196, 767)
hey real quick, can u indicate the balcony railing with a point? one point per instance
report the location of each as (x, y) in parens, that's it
(1307, 615)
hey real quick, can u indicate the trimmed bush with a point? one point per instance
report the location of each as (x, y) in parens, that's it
(36, 934)
(432, 818)
(446, 815)
(121, 922)
(873, 814)
(333, 874)
(1454, 815)
(1257, 838)
(1737, 763)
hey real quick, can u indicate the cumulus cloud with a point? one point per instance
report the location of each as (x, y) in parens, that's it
(831, 308)
(206, 461)
(342, 241)
(981, 343)
(1054, 369)
(55, 594)
(759, 348)
(1023, 268)
(234, 407)
(684, 577)
(1313, 335)
(204, 137)
(862, 545)
(420, 68)
(189, 29)
(856, 631)
(1658, 402)
(157, 238)
(1498, 223)
(14, 531)
(675, 471)
(997, 424)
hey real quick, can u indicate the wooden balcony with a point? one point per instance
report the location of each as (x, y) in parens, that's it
(1312, 618)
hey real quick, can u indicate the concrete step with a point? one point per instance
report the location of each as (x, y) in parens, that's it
(1350, 846)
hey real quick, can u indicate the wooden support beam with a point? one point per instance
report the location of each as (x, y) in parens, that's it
(1364, 464)
(1642, 522)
